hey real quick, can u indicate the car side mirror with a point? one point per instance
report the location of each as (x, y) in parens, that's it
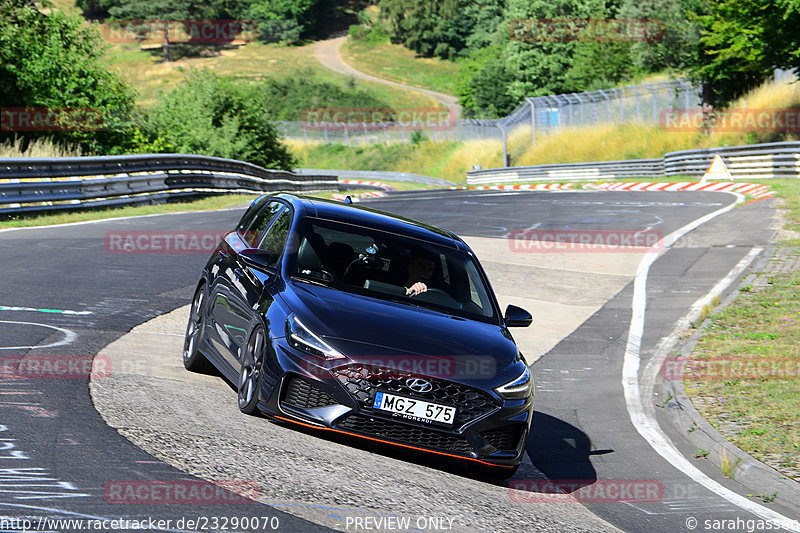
(517, 317)
(259, 259)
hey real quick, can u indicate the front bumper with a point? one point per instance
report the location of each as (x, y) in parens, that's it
(300, 389)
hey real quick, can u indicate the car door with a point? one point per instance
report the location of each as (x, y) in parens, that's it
(236, 288)
(255, 277)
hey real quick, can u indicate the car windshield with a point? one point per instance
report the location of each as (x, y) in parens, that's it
(383, 265)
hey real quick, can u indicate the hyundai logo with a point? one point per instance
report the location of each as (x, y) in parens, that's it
(419, 385)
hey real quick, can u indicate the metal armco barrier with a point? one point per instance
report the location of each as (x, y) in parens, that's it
(755, 161)
(406, 177)
(51, 184)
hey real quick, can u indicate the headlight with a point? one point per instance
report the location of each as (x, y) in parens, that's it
(303, 339)
(518, 388)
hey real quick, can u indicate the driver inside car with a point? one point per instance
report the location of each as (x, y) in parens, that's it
(420, 270)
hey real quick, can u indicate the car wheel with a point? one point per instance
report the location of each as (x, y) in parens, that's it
(192, 358)
(250, 374)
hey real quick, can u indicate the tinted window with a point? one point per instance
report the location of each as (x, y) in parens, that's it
(274, 239)
(251, 213)
(260, 223)
(382, 265)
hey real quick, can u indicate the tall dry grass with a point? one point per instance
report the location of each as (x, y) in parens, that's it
(38, 148)
(630, 140)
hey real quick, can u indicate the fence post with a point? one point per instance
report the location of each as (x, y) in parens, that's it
(638, 113)
(505, 146)
(653, 93)
(580, 103)
(533, 120)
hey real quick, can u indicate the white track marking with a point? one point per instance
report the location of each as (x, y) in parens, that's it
(648, 426)
(112, 219)
(39, 310)
(69, 336)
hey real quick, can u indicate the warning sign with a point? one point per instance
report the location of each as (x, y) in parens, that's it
(717, 170)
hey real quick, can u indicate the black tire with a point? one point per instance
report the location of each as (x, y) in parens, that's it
(192, 358)
(250, 373)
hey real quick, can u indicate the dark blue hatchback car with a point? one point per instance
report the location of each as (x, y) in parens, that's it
(349, 320)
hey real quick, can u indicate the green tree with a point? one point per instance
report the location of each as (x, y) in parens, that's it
(676, 47)
(52, 60)
(482, 87)
(743, 42)
(599, 65)
(540, 66)
(447, 29)
(218, 116)
(163, 11)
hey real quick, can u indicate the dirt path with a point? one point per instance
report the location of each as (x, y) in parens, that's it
(329, 54)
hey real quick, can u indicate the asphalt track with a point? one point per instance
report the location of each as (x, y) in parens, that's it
(582, 428)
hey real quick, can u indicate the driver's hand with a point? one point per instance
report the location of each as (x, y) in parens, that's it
(416, 288)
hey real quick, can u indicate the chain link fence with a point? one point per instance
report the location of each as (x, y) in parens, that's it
(645, 103)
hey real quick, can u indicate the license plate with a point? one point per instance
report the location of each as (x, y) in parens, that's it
(413, 409)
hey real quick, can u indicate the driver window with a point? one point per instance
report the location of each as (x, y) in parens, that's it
(274, 239)
(260, 223)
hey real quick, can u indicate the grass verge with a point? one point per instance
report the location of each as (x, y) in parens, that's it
(449, 160)
(395, 62)
(223, 201)
(759, 409)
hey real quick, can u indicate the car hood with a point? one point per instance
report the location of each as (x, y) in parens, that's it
(370, 330)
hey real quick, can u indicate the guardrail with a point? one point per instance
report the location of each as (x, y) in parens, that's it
(755, 161)
(406, 177)
(50, 184)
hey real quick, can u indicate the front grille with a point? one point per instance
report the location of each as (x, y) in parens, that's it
(300, 393)
(504, 438)
(362, 381)
(407, 434)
